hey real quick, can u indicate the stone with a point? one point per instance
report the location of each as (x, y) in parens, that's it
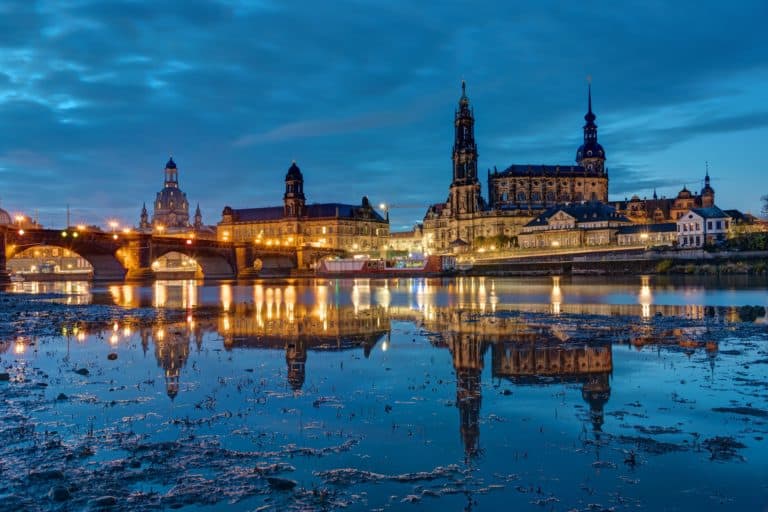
(112, 356)
(82, 371)
(5, 377)
(281, 484)
(58, 493)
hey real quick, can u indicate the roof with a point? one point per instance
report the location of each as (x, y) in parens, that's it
(541, 170)
(666, 227)
(713, 212)
(740, 217)
(592, 211)
(312, 211)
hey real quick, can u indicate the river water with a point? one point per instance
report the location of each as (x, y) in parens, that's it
(460, 394)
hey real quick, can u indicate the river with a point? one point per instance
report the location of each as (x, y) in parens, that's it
(462, 394)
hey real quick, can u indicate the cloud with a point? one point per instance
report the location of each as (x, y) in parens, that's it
(362, 94)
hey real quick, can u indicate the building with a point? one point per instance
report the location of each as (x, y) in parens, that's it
(170, 215)
(516, 195)
(354, 228)
(647, 235)
(702, 226)
(662, 210)
(407, 242)
(572, 226)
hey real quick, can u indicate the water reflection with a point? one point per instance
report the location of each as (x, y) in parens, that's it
(300, 320)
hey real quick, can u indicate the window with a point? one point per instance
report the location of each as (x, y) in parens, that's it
(521, 197)
(718, 224)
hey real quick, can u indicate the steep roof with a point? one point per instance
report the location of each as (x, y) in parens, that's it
(666, 227)
(312, 211)
(713, 212)
(591, 211)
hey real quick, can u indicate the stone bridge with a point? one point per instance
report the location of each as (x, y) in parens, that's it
(129, 257)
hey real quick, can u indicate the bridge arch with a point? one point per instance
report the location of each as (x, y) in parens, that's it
(104, 259)
(212, 263)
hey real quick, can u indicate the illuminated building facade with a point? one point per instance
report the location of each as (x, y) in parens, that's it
(516, 194)
(572, 226)
(171, 210)
(354, 228)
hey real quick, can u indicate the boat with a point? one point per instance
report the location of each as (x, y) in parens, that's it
(435, 265)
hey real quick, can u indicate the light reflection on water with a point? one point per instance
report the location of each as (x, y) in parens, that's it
(538, 409)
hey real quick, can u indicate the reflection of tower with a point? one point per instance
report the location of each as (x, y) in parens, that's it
(171, 354)
(596, 391)
(467, 351)
(296, 358)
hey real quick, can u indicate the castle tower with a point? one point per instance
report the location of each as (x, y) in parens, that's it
(590, 154)
(465, 188)
(294, 192)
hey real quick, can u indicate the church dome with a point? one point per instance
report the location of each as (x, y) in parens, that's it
(171, 164)
(294, 173)
(5, 218)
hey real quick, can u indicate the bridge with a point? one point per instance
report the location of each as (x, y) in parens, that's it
(129, 256)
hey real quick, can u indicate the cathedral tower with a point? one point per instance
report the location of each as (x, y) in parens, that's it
(465, 187)
(294, 192)
(590, 154)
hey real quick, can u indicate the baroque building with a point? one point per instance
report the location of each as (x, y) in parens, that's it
(516, 195)
(171, 210)
(353, 228)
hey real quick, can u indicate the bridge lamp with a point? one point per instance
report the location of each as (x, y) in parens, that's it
(126, 230)
(21, 232)
(81, 227)
(113, 224)
(189, 241)
(74, 235)
(114, 237)
(63, 234)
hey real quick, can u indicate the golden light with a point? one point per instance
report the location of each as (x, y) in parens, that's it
(126, 230)
(126, 331)
(382, 206)
(64, 234)
(19, 348)
(643, 236)
(114, 339)
(555, 243)
(160, 228)
(74, 235)
(81, 227)
(189, 241)
(160, 334)
(113, 224)
(114, 237)
(21, 232)
(81, 336)
(115, 327)
(19, 218)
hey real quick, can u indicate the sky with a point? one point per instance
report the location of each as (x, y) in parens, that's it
(95, 95)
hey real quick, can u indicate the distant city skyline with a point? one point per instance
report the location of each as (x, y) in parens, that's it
(95, 96)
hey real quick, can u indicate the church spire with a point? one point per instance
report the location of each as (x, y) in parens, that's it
(590, 154)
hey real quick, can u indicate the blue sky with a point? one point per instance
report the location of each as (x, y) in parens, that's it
(94, 96)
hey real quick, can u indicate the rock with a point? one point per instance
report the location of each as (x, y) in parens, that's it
(281, 484)
(112, 356)
(82, 371)
(104, 501)
(62, 396)
(58, 493)
(5, 377)
(46, 474)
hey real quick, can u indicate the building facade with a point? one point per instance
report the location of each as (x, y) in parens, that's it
(573, 226)
(663, 210)
(702, 226)
(171, 210)
(516, 195)
(354, 228)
